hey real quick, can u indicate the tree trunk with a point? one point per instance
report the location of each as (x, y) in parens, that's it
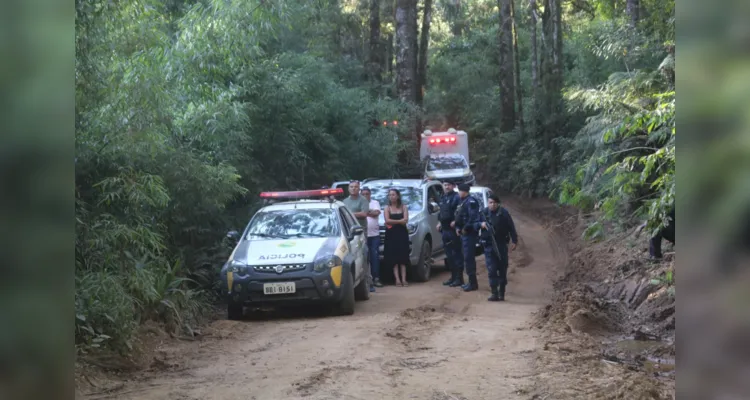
(534, 65)
(414, 25)
(551, 76)
(405, 53)
(633, 8)
(507, 82)
(453, 17)
(517, 70)
(424, 42)
(376, 65)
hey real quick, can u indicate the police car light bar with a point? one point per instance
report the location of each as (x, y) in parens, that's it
(302, 193)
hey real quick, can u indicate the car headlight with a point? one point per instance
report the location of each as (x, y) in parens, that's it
(412, 227)
(326, 263)
(238, 267)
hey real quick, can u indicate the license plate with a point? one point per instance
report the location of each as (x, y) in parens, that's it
(279, 288)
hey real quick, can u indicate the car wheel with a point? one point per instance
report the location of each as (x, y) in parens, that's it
(234, 311)
(346, 305)
(422, 273)
(362, 291)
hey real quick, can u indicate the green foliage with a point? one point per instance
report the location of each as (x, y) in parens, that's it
(612, 146)
(627, 149)
(184, 112)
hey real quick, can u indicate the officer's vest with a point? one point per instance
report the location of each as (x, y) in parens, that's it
(459, 216)
(499, 224)
(445, 209)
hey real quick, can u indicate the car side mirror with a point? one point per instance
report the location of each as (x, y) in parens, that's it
(472, 165)
(434, 207)
(233, 235)
(356, 231)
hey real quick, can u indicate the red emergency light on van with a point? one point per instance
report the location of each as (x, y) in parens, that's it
(443, 140)
(301, 194)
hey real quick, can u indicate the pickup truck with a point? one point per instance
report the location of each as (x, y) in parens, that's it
(422, 198)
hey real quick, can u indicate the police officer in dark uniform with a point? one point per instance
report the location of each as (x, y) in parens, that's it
(667, 232)
(447, 227)
(497, 219)
(467, 225)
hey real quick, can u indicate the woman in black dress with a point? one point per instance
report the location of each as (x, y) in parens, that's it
(396, 246)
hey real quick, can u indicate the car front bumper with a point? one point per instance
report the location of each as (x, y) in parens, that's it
(309, 287)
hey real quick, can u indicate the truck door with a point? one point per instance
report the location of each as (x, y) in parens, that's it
(434, 193)
(357, 245)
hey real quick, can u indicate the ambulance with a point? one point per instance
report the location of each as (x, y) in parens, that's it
(445, 156)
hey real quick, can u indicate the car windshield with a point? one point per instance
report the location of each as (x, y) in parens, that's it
(411, 196)
(452, 161)
(320, 222)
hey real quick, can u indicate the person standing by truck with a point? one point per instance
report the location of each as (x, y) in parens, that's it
(452, 242)
(360, 207)
(468, 225)
(498, 220)
(396, 246)
(373, 237)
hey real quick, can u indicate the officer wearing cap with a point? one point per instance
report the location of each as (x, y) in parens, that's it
(468, 225)
(447, 227)
(498, 220)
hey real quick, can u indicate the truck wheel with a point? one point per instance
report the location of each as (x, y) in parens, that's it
(423, 269)
(346, 305)
(362, 291)
(234, 311)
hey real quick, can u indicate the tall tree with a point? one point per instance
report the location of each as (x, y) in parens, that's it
(405, 51)
(534, 62)
(551, 74)
(507, 81)
(633, 8)
(517, 69)
(376, 64)
(423, 46)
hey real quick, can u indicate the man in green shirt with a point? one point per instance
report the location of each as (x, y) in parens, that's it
(357, 204)
(360, 207)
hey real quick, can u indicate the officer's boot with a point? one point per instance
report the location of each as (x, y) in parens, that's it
(472, 285)
(501, 293)
(494, 296)
(451, 279)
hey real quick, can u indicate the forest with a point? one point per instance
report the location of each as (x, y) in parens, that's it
(187, 109)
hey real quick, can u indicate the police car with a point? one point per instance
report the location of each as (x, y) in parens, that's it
(306, 247)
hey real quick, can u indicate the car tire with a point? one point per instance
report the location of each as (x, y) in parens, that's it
(423, 269)
(362, 291)
(346, 305)
(234, 311)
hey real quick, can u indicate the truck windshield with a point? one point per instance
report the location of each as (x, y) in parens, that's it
(411, 196)
(298, 223)
(452, 161)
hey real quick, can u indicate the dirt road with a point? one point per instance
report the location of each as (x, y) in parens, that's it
(425, 341)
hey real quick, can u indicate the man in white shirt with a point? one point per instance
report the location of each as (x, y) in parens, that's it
(373, 237)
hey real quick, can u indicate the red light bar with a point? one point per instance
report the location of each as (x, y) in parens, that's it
(302, 193)
(439, 140)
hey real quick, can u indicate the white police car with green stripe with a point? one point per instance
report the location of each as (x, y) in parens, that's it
(298, 250)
